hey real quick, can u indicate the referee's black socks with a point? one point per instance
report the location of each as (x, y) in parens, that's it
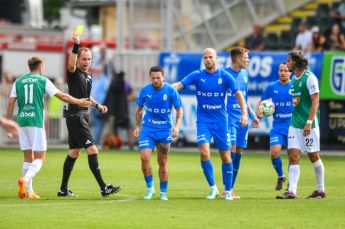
(67, 170)
(94, 166)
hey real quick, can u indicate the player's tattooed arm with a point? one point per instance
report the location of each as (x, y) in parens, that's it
(176, 129)
(138, 118)
(138, 115)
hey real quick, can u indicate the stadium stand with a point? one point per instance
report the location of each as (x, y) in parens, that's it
(282, 32)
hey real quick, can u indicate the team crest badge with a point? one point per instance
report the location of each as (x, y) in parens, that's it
(220, 80)
(295, 101)
(165, 97)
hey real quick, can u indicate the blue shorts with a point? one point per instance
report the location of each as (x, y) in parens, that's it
(218, 131)
(149, 137)
(239, 135)
(277, 138)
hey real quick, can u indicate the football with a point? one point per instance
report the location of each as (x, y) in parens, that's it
(267, 107)
(112, 142)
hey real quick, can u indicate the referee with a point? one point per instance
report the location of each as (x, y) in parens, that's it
(77, 119)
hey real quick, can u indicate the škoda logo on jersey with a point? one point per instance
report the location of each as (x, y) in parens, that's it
(338, 75)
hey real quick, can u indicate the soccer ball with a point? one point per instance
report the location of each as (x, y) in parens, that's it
(112, 142)
(267, 107)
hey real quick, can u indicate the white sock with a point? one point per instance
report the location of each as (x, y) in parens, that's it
(319, 171)
(29, 187)
(25, 168)
(33, 169)
(294, 172)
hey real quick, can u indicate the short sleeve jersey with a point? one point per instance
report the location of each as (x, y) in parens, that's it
(79, 86)
(29, 91)
(157, 104)
(233, 108)
(210, 93)
(282, 99)
(302, 88)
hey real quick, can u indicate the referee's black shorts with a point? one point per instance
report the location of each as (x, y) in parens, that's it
(79, 135)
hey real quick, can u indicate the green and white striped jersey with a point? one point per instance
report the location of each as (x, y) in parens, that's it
(29, 90)
(302, 88)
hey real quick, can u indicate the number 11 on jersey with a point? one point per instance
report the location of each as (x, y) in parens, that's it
(29, 93)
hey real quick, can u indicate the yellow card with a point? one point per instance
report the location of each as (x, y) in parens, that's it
(79, 29)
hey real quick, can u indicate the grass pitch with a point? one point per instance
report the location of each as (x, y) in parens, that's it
(187, 206)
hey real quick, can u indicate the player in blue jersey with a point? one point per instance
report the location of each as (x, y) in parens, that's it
(280, 93)
(154, 127)
(238, 134)
(212, 119)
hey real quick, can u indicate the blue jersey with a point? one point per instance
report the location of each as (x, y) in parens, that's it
(233, 108)
(157, 105)
(210, 93)
(282, 99)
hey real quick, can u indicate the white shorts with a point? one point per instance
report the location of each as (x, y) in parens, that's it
(33, 138)
(309, 144)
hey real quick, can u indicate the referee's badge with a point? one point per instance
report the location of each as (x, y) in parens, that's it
(220, 80)
(165, 97)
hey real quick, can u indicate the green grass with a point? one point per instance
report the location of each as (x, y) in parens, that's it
(187, 206)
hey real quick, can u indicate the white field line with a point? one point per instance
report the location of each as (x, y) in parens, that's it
(73, 202)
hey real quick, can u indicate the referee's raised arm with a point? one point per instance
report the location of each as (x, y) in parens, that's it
(72, 59)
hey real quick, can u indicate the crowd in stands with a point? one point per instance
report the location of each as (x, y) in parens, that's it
(323, 32)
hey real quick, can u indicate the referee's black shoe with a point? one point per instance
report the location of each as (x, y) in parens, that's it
(109, 190)
(67, 193)
(280, 182)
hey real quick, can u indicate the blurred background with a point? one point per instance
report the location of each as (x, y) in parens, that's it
(127, 37)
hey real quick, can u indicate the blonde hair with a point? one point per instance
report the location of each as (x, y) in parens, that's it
(35, 62)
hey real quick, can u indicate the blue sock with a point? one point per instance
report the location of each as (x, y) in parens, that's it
(149, 181)
(163, 186)
(233, 154)
(236, 164)
(208, 171)
(232, 160)
(227, 175)
(278, 166)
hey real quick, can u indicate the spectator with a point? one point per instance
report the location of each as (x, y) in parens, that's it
(336, 40)
(318, 42)
(256, 41)
(304, 37)
(100, 83)
(6, 84)
(117, 102)
(339, 15)
(53, 110)
(100, 58)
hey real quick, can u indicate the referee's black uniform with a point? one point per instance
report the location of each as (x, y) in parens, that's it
(77, 118)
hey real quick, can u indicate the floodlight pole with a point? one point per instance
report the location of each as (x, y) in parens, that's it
(120, 38)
